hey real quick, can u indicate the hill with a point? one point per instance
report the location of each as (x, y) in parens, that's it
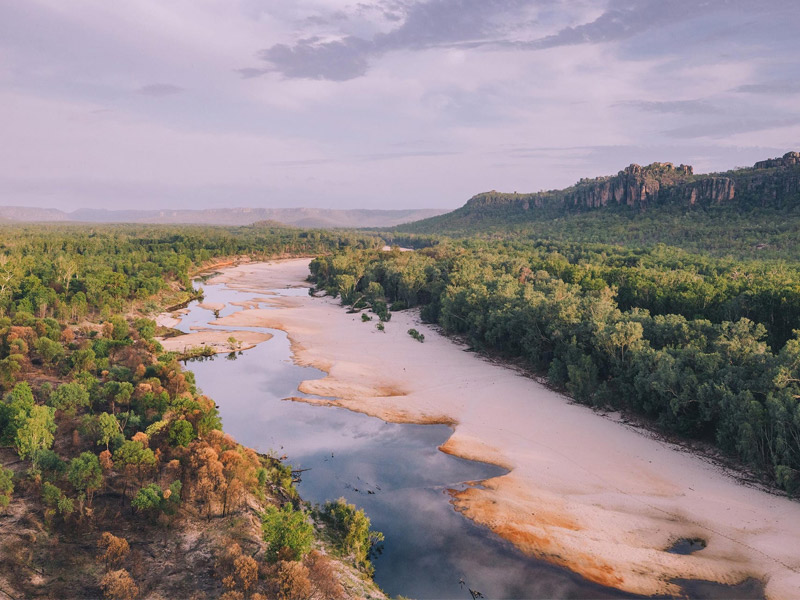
(297, 217)
(747, 212)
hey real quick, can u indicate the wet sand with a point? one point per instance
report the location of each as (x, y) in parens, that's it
(584, 491)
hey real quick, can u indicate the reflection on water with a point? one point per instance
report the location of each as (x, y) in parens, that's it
(393, 471)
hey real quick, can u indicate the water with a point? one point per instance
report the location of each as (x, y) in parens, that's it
(393, 471)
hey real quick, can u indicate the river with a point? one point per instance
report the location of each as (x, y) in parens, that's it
(395, 472)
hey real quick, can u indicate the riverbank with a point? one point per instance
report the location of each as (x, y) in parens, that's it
(584, 491)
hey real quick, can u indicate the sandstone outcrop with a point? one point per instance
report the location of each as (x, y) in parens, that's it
(774, 182)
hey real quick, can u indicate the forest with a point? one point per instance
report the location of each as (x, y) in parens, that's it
(111, 457)
(703, 348)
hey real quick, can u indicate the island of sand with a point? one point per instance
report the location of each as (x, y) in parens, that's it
(583, 490)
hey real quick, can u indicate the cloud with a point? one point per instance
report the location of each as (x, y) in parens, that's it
(159, 90)
(774, 87)
(723, 129)
(433, 24)
(685, 107)
(309, 58)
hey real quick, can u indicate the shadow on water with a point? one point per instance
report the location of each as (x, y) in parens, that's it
(394, 471)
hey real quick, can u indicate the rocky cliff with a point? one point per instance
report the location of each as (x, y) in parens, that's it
(774, 182)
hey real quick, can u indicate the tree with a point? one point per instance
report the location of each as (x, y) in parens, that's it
(6, 486)
(181, 433)
(107, 428)
(85, 474)
(15, 410)
(115, 549)
(135, 459)
(9, 273)
(56, 501)
(69, 397)
(287, 533)
(67, 267)
(50, 351)
(353, 527)
(35, 434)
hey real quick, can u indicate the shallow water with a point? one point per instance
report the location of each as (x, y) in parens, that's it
(393, 471)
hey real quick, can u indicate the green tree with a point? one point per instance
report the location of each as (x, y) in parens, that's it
(35, 434)
(181, 433)
(288, 533)
(50, 351)
(15, 410)
(353, 527)
(6, 486)
(85, 474)
(69, 397)
(107, 428)
(135, 459)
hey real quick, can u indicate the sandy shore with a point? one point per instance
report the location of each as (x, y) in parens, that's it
(583, 491)
(214, 339)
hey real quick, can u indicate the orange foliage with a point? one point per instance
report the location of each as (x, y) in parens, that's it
(105, 460)
(119, 585)
(293, 582)
(116, 549)
(323, 577)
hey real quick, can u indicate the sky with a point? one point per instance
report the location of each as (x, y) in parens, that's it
(380, 103)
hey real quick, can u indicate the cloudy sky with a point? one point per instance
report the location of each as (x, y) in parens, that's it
(380, 103)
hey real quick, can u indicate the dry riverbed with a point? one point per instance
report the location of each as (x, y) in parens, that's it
(583, 491)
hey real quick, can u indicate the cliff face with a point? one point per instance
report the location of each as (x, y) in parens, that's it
(774, 182)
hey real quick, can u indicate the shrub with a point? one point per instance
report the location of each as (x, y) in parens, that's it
(287, 533)
(416, 335)
(119, 585)
(293, 582)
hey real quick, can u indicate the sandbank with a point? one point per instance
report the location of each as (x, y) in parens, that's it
(583, 491)
(215, 339)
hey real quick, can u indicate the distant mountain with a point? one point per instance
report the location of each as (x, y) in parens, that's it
(24, 213)
(773, 184)
(297, 217)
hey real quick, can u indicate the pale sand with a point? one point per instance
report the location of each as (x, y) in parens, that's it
(214, 339)
(584, 491)
(212, 306)
(170, 319)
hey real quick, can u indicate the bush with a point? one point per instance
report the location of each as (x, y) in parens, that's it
(287, 533)
(119, 585)
(416, 335)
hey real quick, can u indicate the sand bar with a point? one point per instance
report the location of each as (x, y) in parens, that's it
(583, 491)
(214, 339)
